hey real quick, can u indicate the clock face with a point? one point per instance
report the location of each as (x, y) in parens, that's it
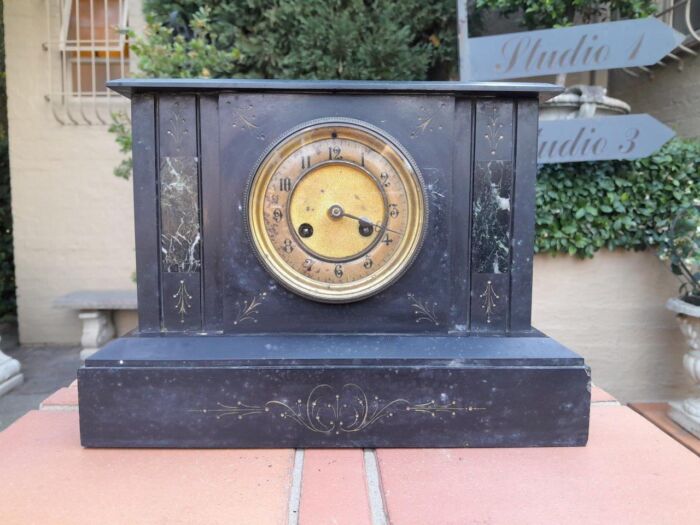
(336, 210)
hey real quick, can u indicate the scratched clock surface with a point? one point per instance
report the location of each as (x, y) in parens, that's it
(328, 199)
(336, 211)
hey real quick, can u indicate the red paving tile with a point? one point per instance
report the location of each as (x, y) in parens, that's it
(63, 399)
(47, 478)
(334, 489)
(657, 413)
(630, 473)
(598, 395)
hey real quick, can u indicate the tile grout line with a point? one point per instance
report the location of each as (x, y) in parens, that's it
(606, 403)
(295, 489)
(664, 430)
(374, 488)
(58, 408)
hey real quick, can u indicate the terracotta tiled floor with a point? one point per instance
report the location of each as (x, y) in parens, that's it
(630, 473)
(334, 488)
(657, 413)
(45, 369)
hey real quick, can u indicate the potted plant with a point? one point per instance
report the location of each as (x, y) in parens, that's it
(682, 249)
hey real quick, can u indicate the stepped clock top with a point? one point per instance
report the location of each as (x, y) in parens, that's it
(128, 86)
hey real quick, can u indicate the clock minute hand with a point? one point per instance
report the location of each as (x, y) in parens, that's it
(349, 215)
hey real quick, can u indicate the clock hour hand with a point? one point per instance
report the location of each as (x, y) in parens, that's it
(337, 211)
(365, 221)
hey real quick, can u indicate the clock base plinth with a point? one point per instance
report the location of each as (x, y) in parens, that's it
(334, 391)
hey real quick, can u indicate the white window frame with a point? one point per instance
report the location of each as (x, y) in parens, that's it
(70, 104)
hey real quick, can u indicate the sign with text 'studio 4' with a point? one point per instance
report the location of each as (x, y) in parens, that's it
(602, 138)
(609, 45)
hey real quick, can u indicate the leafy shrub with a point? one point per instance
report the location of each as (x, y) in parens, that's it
(583, 207)
(121, 127)
(682, 250)
(170, 52)
(7, 265)
(311, 39)
(539, 14)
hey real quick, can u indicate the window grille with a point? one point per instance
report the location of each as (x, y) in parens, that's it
(87, 45)
(684, 17)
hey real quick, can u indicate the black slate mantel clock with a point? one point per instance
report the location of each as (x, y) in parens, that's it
(333, 264)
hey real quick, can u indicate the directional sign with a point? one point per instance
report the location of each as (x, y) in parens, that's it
(602, 138)
(626, 43)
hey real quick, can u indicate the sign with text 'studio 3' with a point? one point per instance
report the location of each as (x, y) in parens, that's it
(609, 45)
(602, 138)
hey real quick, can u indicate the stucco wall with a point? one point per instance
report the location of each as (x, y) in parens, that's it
(671, 95)
(611, 310)
(73, 225)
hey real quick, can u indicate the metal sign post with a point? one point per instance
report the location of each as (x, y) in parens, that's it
(463, 39)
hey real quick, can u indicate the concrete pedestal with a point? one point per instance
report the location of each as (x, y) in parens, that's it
(687, 412)
(95, 309)
(97, 330)
(10, 375)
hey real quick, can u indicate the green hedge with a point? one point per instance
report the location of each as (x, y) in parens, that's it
(7, 266)
(583, 207)
(315, 39)
(543, 14)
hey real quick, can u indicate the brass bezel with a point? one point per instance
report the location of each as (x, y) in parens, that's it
(411, 240)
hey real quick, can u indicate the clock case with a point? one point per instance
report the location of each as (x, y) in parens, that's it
(226, 357)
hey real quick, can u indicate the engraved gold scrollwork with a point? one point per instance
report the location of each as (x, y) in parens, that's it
(423, 310)
(182, 301)
(327, 411)
(423, 126)
(247, 310)
(244, 117)
(494, 128)
(427, 121)
(241, 118)
(178, 127)
(489, 297)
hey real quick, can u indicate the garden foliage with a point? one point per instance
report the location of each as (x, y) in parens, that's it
(313, 39)
(681, 249)
(543, 14)
(581, 207)
(7, 266)
(585, 206)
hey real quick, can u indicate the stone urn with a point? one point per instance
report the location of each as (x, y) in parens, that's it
(687, 412)
(10, 373)
(582, 101)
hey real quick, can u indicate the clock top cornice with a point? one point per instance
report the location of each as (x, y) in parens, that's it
(129, 86)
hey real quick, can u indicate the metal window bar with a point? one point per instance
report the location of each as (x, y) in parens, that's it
(684, 17)
(86, 46)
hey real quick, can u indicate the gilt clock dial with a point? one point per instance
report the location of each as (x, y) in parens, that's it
(336, 210)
